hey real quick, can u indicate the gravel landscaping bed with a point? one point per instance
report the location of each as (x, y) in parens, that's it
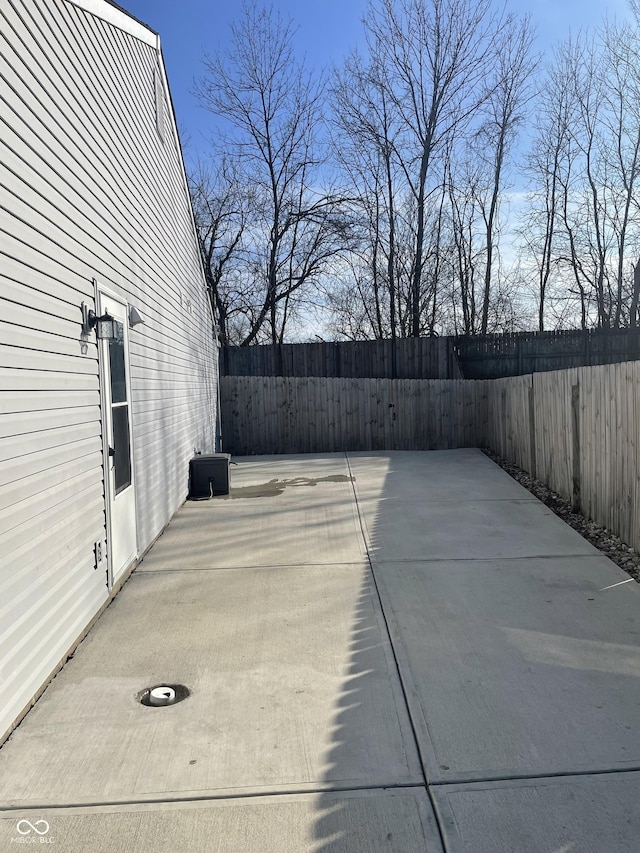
(625, 557)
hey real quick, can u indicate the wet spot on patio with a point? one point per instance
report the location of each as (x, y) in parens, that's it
(272, 488)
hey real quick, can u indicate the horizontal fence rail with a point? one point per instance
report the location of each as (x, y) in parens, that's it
(578, 430)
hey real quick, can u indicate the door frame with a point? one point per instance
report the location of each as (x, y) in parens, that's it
(103, 292)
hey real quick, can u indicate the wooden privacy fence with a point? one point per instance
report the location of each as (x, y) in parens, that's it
(578, 430)
(477, 357)
(275, 414)
(519, 353)
(402, 358)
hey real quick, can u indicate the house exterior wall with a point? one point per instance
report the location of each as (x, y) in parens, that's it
(93, 194)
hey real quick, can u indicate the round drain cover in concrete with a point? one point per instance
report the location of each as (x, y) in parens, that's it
(162, 694)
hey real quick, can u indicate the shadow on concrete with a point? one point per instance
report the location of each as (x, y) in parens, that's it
(518, 650)
(398, 816)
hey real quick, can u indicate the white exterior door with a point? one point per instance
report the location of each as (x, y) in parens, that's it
(116, 397)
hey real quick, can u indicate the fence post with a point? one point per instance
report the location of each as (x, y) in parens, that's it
(504, 429)
(575, 431)
(532, 431)
(519, 355)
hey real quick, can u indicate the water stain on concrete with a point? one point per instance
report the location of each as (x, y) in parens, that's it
(273, 488)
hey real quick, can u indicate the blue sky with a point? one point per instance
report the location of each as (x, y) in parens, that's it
(328, 29)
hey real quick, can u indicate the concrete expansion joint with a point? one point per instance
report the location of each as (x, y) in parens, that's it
(525, 777)
(463, 501)
(209, 797)
(205, 569)
(492, 560)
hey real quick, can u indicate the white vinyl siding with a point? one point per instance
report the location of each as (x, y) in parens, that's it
(88, 191)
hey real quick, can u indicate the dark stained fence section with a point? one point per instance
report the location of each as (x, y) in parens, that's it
(493, 356)
(405, 358)
(276, 414)
(481, 357)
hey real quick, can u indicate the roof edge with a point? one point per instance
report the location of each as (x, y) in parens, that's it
(118, 17)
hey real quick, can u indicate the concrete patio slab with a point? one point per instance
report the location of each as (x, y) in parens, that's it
(436, 476)
(453, 504)
(492, 529)
(587, 814)
(492, 632)
(293, 689)
(274, 530)
(399, 821)
(517, 667)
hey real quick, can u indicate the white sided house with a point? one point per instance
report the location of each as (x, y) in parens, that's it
(95, 221)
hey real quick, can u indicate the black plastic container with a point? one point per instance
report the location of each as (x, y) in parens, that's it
(209, 476)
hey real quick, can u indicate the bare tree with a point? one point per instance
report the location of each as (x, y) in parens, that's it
(272, 109)
(634, 316)
(437, 57)
(478, 169)
(367, 148)
(221, 206)
(439, 72)
(465, 219)
(585, 164)
(622, 126)
(504, 112)
(549, 167)
(588, 73)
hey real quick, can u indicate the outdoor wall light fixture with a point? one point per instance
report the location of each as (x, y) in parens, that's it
(105, 326)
